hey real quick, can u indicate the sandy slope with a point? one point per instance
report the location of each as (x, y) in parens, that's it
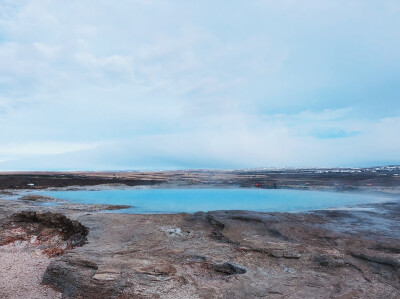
(21, 274)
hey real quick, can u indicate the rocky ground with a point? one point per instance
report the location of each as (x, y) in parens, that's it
(222, 254)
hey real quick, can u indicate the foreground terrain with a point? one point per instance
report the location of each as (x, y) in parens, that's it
(79, 253)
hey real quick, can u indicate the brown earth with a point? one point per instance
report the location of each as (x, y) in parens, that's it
(340, 179)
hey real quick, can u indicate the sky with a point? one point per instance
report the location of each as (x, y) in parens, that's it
(155, 84)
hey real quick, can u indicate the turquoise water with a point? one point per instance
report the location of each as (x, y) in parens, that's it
(145, 201)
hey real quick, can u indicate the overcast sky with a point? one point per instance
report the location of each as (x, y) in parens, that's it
(147, 84)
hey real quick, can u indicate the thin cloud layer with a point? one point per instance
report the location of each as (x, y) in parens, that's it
(155, 84)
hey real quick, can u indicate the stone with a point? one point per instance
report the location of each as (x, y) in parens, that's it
(229, 268)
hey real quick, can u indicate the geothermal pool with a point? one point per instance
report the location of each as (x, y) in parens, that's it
(150, 201)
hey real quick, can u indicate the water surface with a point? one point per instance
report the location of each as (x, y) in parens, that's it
(144, 201)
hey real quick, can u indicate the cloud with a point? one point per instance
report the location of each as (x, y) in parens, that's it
(153, 84)
(332, 133)
(238, 143)
(43, 148)
(48, 51)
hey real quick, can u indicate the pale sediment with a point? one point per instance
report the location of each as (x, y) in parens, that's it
(21, 273)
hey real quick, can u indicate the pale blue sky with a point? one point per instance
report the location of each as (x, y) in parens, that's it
(198, 84)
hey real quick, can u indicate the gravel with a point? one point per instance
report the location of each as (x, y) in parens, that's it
(21, 273)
